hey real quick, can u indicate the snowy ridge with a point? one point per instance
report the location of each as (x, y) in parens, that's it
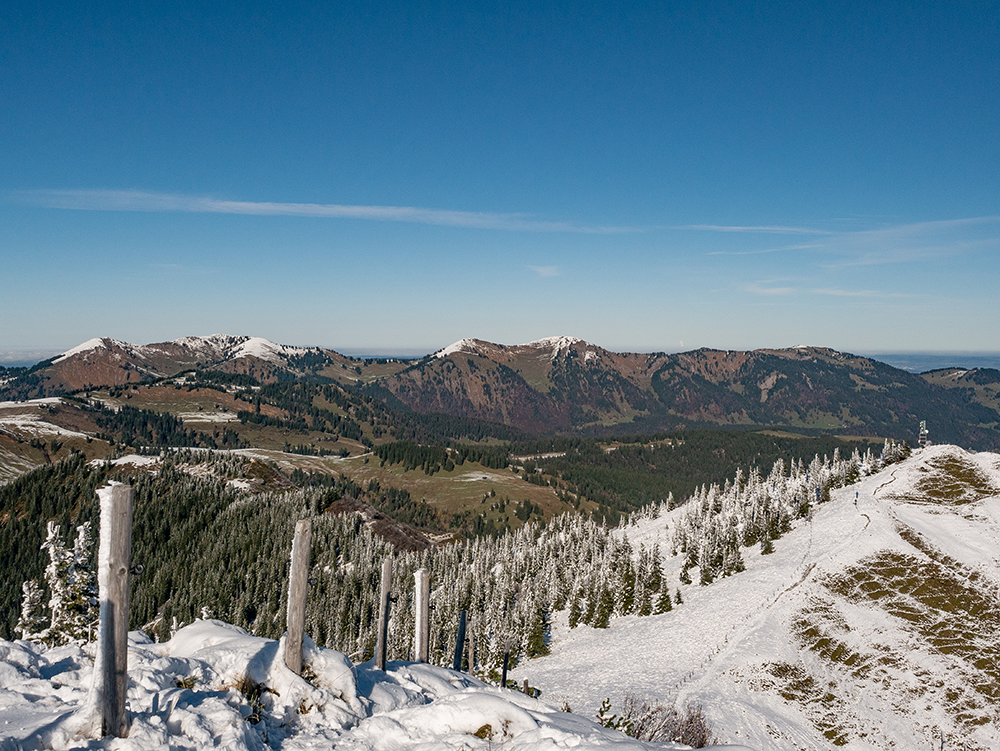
(213, 347)
(267, 350)
(827, 638)
(556, 343)
(224, 346)
(462, 345)
(90, 345)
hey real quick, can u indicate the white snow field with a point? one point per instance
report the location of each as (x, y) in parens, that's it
(874, 626)
(198, 691)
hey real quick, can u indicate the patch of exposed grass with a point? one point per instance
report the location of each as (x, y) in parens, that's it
(952, 616)
(953, 481)
(818, 628)
(824, 709)
(914, 538)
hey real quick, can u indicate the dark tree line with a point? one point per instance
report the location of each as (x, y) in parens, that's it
(143, 427)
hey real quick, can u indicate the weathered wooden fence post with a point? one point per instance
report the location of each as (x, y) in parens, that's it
(115, 611)
(503, 675)
(383, 615)
(421, 616)
(472, 649)
(297, 585)
(459, 642)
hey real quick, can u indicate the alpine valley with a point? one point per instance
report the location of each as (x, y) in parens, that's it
(752, 546)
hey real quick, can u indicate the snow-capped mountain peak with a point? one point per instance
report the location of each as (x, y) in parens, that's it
(102, 342)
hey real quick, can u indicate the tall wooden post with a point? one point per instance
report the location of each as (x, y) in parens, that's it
(297, 584)
(459, 642)
(421, 616)
(472, 649)
(115, 612)
(503, 675)
(383, 615)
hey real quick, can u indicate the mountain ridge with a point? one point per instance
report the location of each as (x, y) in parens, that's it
(569, 385)
(564, 384)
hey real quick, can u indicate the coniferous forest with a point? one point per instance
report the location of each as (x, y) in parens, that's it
(211, 550)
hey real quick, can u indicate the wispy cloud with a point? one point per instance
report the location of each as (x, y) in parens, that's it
(767, 288)
(133, 200)
(890, 244)
(780, 287)
(762, 229)
(762, 251)
(856, 293)
(544, 271)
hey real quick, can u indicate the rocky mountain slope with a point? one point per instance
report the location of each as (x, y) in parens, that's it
(108, 362)
(567, 384)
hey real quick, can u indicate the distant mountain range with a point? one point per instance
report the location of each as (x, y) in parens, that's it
(105, 361)
(564, 384)
(567, 384)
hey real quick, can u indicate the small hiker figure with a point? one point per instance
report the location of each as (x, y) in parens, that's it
(855, 499)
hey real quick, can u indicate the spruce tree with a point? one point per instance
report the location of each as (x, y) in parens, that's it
(58, 576)
(574, 610)
(537, 643)
(605, 609)
(663, 603)
(30, 624)
(81, 593)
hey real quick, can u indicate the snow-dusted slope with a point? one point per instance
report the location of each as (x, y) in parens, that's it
(873, 626)
(196, 691)
(549, 347)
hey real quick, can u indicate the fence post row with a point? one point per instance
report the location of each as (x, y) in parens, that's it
(383, 615)
(297, 585)
(114, 629)
(421, 619)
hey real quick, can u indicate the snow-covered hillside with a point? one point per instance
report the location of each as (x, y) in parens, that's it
(214, 686)
(873, 626)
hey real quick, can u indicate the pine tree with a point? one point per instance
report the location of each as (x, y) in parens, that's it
(605, 609)
(624, 594)
(574, 610)
(663, 603)
(58, 577)
(82, 597)
(537, 642)
(30, 624)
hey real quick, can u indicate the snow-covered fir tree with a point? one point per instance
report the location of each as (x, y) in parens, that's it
(32, 620)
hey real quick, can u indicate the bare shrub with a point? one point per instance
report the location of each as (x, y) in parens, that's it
(653, 721)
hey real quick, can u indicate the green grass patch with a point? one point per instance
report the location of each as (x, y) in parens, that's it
(954, 481)
(951, 615)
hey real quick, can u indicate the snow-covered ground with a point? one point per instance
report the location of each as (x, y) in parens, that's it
(873, 625)
(196, 691)
(758, 650)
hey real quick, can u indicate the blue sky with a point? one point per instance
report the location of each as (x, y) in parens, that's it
(393, 177)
